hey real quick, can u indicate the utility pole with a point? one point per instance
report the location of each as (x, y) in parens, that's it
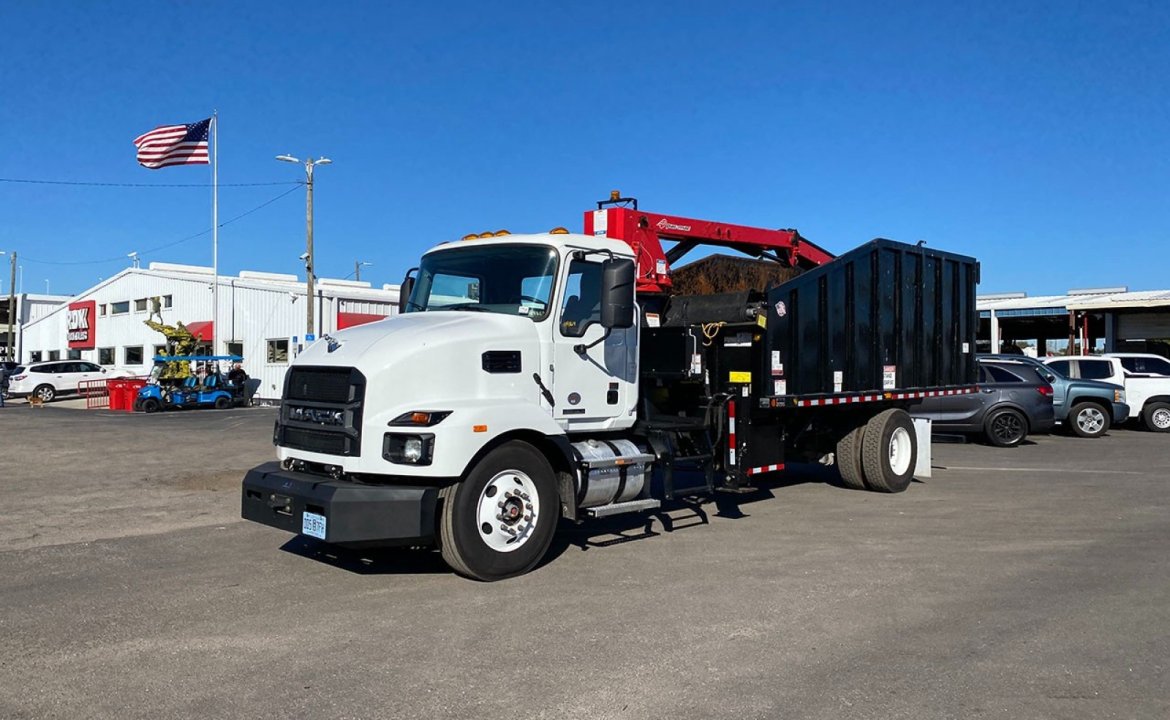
(310, 163)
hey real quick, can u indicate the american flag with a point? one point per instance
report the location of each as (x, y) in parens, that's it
(168, 145)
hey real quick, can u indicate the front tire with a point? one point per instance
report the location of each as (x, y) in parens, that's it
(222, 403)
(1006, 428)
(1088, 420)
(499, 520)
(151, 405)
(889, 451)
(45, 392)
(1156, 416)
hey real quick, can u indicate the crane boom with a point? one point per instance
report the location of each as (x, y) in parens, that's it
(619, 218)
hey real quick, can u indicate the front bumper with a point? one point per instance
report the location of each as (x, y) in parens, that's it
(1120, 413)
(354, 512)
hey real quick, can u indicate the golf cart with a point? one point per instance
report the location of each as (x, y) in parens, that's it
(190, 381)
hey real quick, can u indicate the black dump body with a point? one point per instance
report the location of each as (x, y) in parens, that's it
(883, 316)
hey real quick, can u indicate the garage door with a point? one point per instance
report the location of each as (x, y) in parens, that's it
(1155, 326)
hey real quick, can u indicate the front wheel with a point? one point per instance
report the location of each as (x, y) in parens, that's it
(151, 405)
(222, 403)
(499, 520)
(1157, 416)
(1006, 428)
(1088, 420)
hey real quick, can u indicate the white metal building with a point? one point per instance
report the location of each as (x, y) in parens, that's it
(262, 317)
(29, 307)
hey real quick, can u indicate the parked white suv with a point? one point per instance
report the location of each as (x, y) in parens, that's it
(1147, 393)
(47, 380)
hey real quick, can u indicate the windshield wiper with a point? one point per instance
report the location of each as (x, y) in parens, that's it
(476, 307)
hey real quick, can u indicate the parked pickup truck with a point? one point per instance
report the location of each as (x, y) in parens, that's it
(1148, 395)
(1087, 408)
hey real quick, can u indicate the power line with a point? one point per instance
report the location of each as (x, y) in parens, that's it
(145, 185)
(143, 253)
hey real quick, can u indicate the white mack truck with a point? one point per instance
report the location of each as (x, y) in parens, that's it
(534, 378)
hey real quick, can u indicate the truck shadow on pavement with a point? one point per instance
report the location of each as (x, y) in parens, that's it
(593, 534)
(369, 561)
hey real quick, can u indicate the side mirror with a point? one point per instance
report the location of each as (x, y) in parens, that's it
(617, 294)
(405, 289)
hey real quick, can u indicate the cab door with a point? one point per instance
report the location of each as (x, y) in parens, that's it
(594, 373)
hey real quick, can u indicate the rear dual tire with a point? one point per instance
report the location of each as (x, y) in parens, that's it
(880, 455)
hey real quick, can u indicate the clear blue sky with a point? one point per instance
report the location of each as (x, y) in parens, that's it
(1032, 135)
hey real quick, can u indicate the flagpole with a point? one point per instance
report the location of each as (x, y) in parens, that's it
(215, 228)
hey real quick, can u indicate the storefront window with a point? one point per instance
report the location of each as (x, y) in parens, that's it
(54, 354)
(132, 355)
(120, 308)
(74, 355)
(105, 356)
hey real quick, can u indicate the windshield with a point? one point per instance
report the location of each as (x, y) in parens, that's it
(511, 280)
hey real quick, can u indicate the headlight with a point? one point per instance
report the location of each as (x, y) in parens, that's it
(412, 450)
(403, 449)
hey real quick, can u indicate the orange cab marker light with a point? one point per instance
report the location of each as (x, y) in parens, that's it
(479, 428)
(420, 418)
(558, 231)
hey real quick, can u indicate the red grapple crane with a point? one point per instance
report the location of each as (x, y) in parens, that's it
(619, 218)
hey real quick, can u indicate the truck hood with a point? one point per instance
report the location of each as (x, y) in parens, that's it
(435, 360)
(378, 345)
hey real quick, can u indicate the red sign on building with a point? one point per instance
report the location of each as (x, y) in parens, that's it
(81, 324)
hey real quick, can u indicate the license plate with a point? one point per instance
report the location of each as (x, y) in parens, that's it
(313, 525)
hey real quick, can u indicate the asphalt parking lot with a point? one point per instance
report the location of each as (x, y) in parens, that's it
(1025, 583)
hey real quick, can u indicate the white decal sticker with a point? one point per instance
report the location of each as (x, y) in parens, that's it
(660, 267)
(696, 364)
(781, 309)
(838, 381)
(652, 320)
(780, 386)
(889, 377)
(966, 348)
(600, 222)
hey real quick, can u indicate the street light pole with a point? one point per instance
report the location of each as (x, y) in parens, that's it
(9, 345)
(310, 163)
(357, 268)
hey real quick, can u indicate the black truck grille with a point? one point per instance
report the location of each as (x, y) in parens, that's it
(322, 410)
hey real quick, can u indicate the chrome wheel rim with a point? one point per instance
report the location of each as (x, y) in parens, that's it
(508, 510)
(1091, 420)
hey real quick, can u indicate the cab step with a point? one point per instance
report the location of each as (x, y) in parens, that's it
(623, 507)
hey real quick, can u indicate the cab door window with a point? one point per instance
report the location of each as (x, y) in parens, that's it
(581, 306)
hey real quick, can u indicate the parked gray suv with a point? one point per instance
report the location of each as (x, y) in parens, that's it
(1013, 400)
(1087, 408)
